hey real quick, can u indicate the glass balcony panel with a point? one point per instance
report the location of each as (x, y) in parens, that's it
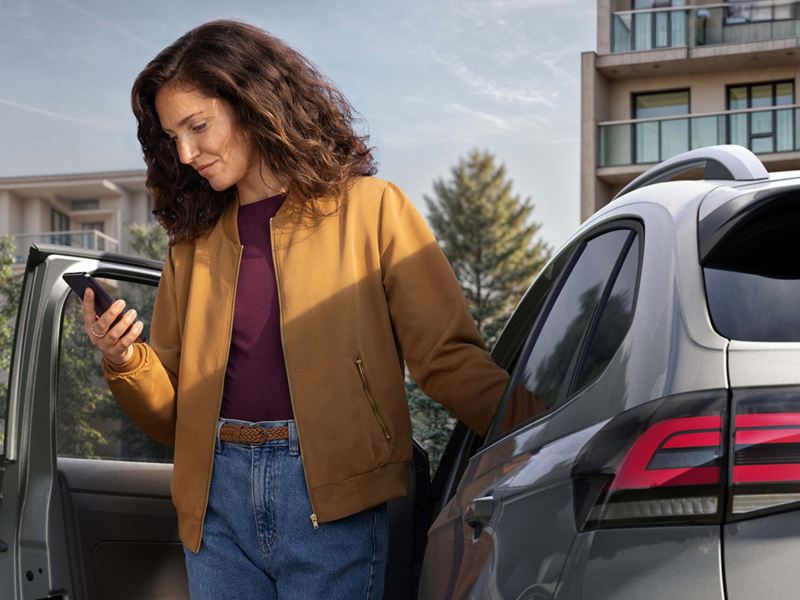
(615, 145)
(678, 27)
(707, 131)
(643, 31)
(737, 128)
(797, 128)
(674, 137)
(761, 122)
(647, 143)
(784, 130)
(621, 33)
(762, 144)
(662, 30)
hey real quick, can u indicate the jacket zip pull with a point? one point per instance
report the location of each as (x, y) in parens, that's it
(361, 372)
(314, 521)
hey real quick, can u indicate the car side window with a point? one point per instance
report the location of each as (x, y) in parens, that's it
(541, 375)
(89, 422)
(613, 323)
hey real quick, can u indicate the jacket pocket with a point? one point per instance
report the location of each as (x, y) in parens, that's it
(373, 405)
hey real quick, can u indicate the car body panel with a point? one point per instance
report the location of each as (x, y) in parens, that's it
(761, 557)
(764, 363)
(656, 563)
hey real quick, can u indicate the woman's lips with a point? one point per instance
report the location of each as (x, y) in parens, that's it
(202, 168)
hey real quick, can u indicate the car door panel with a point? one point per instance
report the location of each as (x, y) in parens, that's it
(536, 524)
(457, 553)
(127, 536)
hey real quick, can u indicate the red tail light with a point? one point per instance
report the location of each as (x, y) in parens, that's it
(766, 452)
(661, 462)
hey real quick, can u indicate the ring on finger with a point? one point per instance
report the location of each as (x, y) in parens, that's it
(95, 334)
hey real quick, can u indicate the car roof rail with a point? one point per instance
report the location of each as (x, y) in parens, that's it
(728, 161)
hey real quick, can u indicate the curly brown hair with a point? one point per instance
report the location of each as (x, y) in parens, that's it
(302, 125)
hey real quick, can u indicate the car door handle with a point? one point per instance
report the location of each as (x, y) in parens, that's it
(479, 512)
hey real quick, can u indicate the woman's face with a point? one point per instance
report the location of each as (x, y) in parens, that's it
(207, 135)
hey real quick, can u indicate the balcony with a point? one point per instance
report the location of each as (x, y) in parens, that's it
(704, 25)
(641, 141)
(87, 238)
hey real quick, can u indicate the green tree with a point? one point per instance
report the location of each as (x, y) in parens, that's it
(488, 236)
(149, 241)
(10, 289)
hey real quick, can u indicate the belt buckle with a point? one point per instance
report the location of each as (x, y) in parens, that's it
(259, 433)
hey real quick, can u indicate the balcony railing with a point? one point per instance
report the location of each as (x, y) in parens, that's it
(704, 25)
(776, 129)
(85, 238)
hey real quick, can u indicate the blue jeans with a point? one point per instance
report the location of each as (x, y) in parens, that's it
(258, 539)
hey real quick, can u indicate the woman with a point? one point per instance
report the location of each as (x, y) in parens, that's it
(294, 287)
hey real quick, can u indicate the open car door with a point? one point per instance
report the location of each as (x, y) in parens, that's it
(86, 510)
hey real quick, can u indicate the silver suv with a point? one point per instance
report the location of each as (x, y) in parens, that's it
(648, 445)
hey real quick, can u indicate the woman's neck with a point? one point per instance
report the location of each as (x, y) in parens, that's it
(258, 184)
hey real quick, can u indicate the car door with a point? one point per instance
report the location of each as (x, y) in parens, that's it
(508, 525)
(85, 507)
(87, 510)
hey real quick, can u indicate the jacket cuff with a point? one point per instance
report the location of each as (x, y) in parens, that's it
(127, 368)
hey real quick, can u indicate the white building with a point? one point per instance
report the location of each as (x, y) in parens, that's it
(89, 210)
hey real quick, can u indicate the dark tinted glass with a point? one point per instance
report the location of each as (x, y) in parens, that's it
(615, 320)
(753, 276)
(541, 373)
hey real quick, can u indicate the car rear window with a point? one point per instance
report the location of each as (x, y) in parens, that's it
(752, 275)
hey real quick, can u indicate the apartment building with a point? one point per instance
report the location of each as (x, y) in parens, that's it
(90, 210)
(669, 76)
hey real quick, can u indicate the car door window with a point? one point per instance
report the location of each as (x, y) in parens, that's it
(89, 422)
(613, 323)
(10, 289)
(552, 346)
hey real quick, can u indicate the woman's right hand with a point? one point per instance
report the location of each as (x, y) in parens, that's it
(114, 343)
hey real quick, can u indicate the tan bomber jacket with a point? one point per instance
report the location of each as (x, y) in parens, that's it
(360, 289)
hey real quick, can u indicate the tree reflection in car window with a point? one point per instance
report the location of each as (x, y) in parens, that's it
(615, 320)
(542, 371)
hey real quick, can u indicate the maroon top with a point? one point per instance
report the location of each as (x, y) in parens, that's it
(256, 387)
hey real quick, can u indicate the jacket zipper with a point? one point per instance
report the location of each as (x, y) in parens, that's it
(313, 515)
(227, 355)
(362, 373)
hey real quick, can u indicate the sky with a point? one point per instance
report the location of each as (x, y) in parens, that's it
(431, 79)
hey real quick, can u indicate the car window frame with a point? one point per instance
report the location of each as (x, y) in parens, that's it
(637, 228)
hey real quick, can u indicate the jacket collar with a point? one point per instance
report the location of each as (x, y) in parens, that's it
(228, 223)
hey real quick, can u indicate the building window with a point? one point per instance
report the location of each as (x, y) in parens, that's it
(90, 204)
(769, 130)
(660, 138)
(754, 11)
(59, 222)
(648, 30)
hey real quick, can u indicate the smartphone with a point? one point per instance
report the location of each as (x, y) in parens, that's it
(102, 301)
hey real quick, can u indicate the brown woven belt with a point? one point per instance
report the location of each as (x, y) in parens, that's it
(240, 434)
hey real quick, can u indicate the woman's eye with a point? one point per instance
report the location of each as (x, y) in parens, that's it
(199, 127)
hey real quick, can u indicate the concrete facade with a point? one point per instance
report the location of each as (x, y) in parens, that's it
(610, 80)
(92, 210)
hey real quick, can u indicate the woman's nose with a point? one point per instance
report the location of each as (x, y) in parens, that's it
(187, 151)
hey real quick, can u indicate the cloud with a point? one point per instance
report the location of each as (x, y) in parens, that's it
(485, 87)
(55, 115)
